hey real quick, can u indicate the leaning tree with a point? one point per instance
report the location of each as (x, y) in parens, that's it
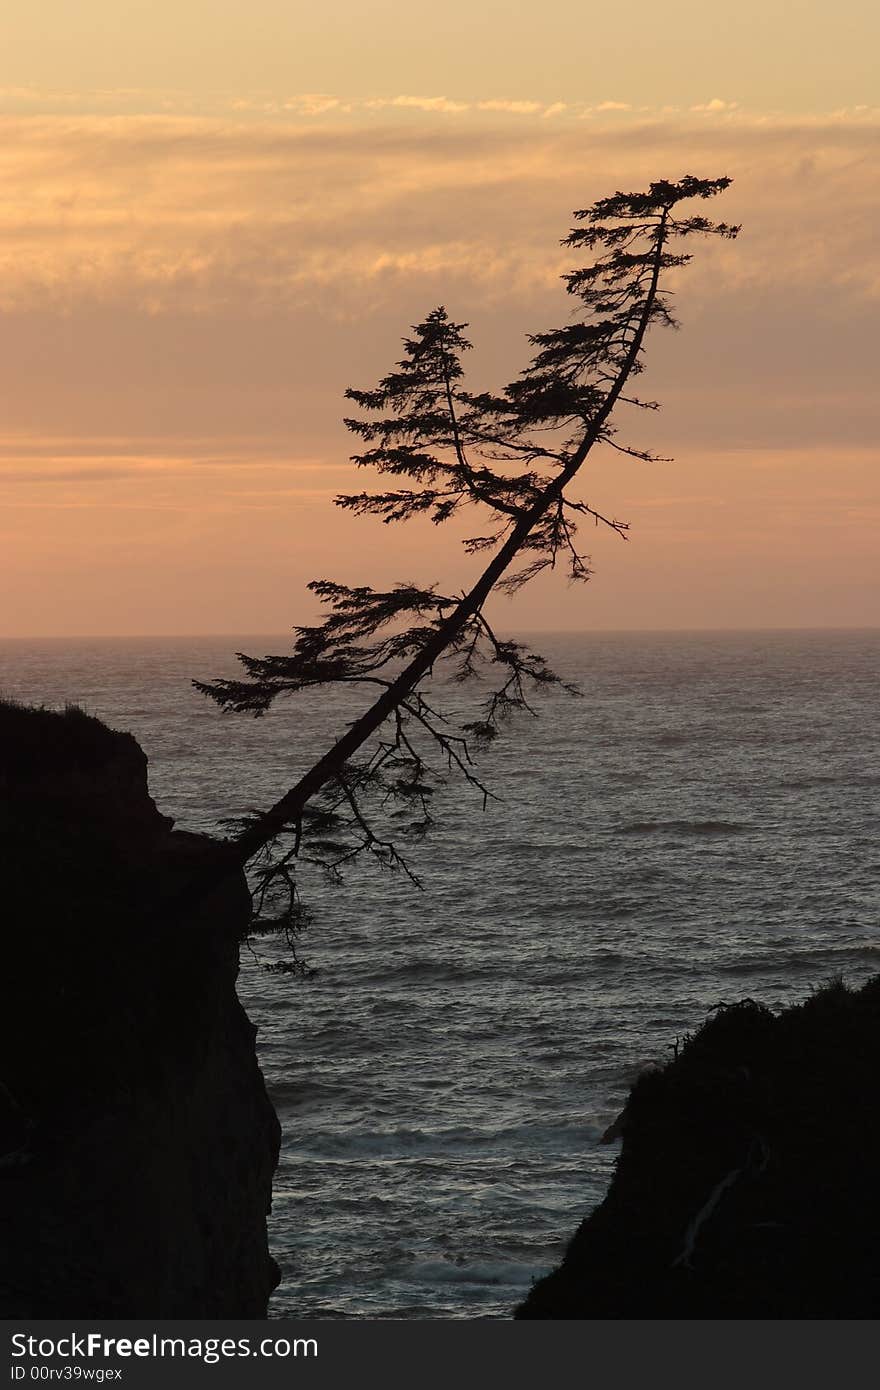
(512, 456)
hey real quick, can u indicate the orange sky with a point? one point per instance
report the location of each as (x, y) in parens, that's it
(188, 284)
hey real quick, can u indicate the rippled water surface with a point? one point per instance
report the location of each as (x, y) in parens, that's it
(700, 826)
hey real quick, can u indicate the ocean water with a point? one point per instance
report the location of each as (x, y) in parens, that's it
(702, 825)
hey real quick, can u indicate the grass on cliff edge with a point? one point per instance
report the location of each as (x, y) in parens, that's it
(36, 740)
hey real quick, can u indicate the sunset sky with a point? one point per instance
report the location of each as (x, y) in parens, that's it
(215, 216)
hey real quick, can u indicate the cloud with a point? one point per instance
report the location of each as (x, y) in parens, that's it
(515, 108)
(28, 457)
(196, 215)
(65, 475)
(433, 104)
(716, 105)
(213, 276)
(313, 104)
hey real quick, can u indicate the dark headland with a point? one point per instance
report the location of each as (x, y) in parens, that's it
(137, 1142)
(746, 1185)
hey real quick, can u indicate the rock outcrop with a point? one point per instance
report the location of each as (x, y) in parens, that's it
(747, 1183)
(137, 1142)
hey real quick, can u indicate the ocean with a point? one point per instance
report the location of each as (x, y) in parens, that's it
(700, 826)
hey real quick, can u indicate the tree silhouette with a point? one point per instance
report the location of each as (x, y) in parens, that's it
(512, 457)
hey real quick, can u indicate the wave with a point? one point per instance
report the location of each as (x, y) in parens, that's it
(682, 827)
(293, 1091)
(571, 974)
(501, 1144)
(810, 782)
(478, 1272)
(457, 972)
(810, 958)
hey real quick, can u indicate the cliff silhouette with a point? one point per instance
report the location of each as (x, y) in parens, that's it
(746, 1186)
(137, 1142)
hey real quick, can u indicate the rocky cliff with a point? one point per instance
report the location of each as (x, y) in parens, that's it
(137, 1143)
(747, 1184)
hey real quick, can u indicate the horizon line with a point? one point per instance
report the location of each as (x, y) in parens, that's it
(525, 631)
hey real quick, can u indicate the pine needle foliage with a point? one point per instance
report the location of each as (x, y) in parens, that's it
(512, 458)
